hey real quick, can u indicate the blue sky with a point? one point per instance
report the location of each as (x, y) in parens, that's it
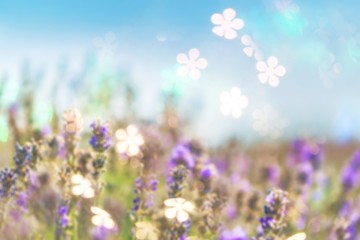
(318, 43)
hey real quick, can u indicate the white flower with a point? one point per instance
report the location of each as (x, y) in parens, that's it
(73, 121)
(106, 45)
(191, 65)
(178, 208)
(227, 23)
(233, 102)
(298, 236)
(130, 140)
(267, 122)
(81, 186)
(270, 71)
(251, 49)
(101, 218)
(145, 231)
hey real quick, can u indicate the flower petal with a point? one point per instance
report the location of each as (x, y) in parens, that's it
(77, 179)
(121, 134)
(77, 190)
(261, 66)
(248, 51)
(132, 130)
(171, 202)
(194, 53)
(229, 14)
(217, 19)
(201, 63)
(246, 40)
(97, 220)
(188, 206)
(121, 147)
(237, 24)
(89, 193)
(141, 234)
(230, 34)
(280, 71)
(220, 30)
(274, 81)
(182, 58)
(182, 216)
(272, 62)
(98, 211)
(170, 213)
(194, 74)
(133, 150)
(109, 223)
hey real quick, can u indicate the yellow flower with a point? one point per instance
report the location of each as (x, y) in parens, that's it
(145, 231)
(178, 208)
(81, 186)
(73, 121)
(130, 140)
(101, 218)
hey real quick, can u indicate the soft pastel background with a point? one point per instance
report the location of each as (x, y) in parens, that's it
(317, 42)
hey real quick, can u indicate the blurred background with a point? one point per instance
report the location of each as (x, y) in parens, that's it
(97, 55)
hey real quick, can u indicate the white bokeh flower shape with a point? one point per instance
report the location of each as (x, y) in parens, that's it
(145, 231)
(101, 218)
(191, 64)
(251, 48)
(81, 186)
(106, 45)
(227, 24)
(130, 140)
(267, 122)
(270, 71)
(178, 208)
(72, 121)
(233, 102)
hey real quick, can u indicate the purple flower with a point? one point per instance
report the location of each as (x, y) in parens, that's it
(236, 234)
(313, 154)
(305, 174)
(63, 214)
(153, 184)
(266, 222)
(355, 161)
(275, 210)
(23, 158)
(208, 171)
(100, 139)
(102, 233)
(271, 174)
(181, 155)
(350, 175)
(22, 201)
(7, 182)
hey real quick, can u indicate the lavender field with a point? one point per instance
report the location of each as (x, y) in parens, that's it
(170, 120)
